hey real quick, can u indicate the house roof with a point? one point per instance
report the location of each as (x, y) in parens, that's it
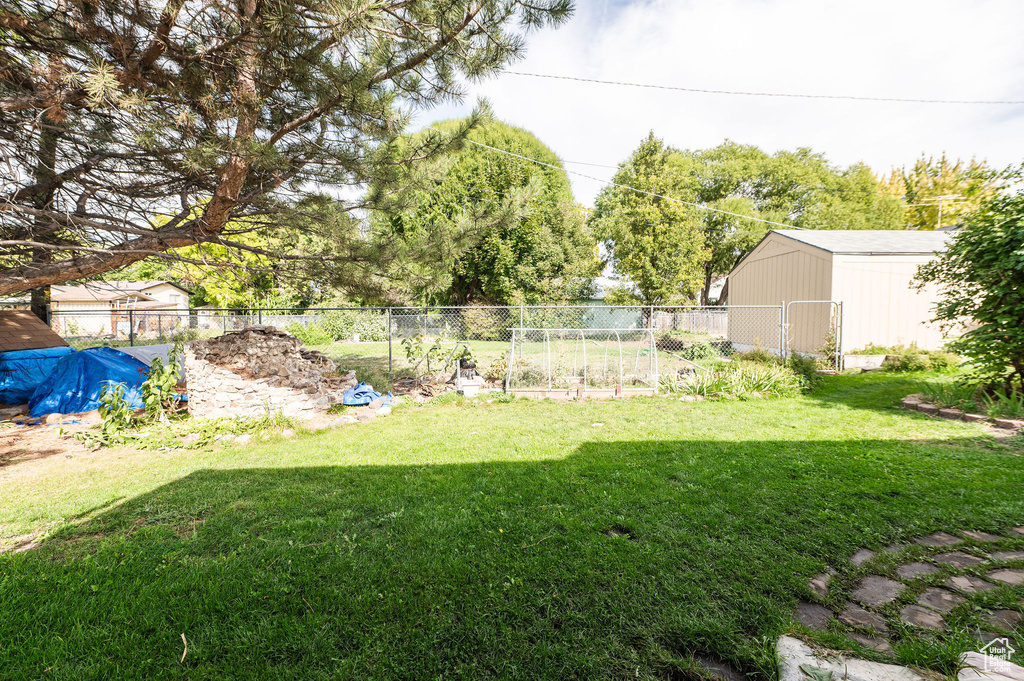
(141, 285)
(93, 292)
(870, 241)
(22, 330)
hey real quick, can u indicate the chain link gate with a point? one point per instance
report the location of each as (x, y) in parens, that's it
(815, 328)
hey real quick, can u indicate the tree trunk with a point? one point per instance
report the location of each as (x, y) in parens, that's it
(704, 294)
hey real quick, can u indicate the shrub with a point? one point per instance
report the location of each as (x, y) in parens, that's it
(980, 276)
(906, 359)
(313, 334)
(760, 356)
(805, 368)
(486, 324)
(698, 351)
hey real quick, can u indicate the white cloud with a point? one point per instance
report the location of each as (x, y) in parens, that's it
(931, 49)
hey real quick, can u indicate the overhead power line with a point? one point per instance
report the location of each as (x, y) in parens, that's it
(623, 186)
(704, 91)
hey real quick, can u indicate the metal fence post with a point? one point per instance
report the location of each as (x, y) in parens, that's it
(782, 329)
(390, 334)
(259, 314)
(131, 327)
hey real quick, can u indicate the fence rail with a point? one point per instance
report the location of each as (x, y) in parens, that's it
(384, 343)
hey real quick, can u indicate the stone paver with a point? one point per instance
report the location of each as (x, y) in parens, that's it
(793, 654)
(859, 618)
(862, 556)
(969, 584)
(980, 536)
(1019, 531)
(813, 616)
(871, 642)
(928, 408)
(939, 539)
(893, 548)
(1008, 555)
(939, 599)
(924, 618)
(914, 570)
(959, 560)
(1011, 577)
(875, 590)
(976, 666)
(819, 583)
(1004, 619)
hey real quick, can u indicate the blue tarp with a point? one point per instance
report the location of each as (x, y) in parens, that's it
(77, 381)
(363, 394)
(21, 371)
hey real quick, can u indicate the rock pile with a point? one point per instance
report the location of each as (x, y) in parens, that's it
(257, 371)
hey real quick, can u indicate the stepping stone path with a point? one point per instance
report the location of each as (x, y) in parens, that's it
(859, 618)
(939, 539)
(861, 557)
(924, 618)
(1011, 577)
(813, 616)
(959, 560)
(914, 570)
(1008, 555)
(864, 616)
(872, 642)
(969, 584)
(1004, 619)
(875, 590)
(819, 584)
(939, 599)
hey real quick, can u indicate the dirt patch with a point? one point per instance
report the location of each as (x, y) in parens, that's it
(24, 444)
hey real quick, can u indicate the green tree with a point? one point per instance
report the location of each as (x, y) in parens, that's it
(747, 190)
(651, 237)
(981, 284)
(496, 229)
(941, 193)
(245, 109)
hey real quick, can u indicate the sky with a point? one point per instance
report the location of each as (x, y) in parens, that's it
(934, 49)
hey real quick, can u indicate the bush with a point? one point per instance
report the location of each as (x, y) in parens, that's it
(314, 334)
(486, 324)
(980, 276)
(760, 356)
(906, 359)
(805, 368)
(959, 395)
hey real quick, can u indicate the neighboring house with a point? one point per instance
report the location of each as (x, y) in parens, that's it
(870, 272)
(102, 307)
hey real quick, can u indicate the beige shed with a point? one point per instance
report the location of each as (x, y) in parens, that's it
(869, 271)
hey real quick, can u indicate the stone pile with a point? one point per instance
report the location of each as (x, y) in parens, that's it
(260, 371)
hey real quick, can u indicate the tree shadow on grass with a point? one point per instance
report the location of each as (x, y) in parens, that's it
(620, 559)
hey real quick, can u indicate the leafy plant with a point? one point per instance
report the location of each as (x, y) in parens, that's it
(158, 390)
(959, 395)
(417, 351)
(117, 417)
(1003, 403)
(980, 277)
(741, 380)
(805, 368)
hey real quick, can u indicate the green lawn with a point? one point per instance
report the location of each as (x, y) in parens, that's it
(471, 540)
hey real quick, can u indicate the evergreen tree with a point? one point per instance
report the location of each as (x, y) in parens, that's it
(241, 109)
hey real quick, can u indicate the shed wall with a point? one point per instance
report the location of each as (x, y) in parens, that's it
(880, 305)
(781, 269)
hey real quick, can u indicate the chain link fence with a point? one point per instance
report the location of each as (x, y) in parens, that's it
(557, 345)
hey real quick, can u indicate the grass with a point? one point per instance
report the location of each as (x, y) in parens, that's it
(466, 539)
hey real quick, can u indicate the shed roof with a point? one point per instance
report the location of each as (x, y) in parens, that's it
(870, 241)
(22, 330)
